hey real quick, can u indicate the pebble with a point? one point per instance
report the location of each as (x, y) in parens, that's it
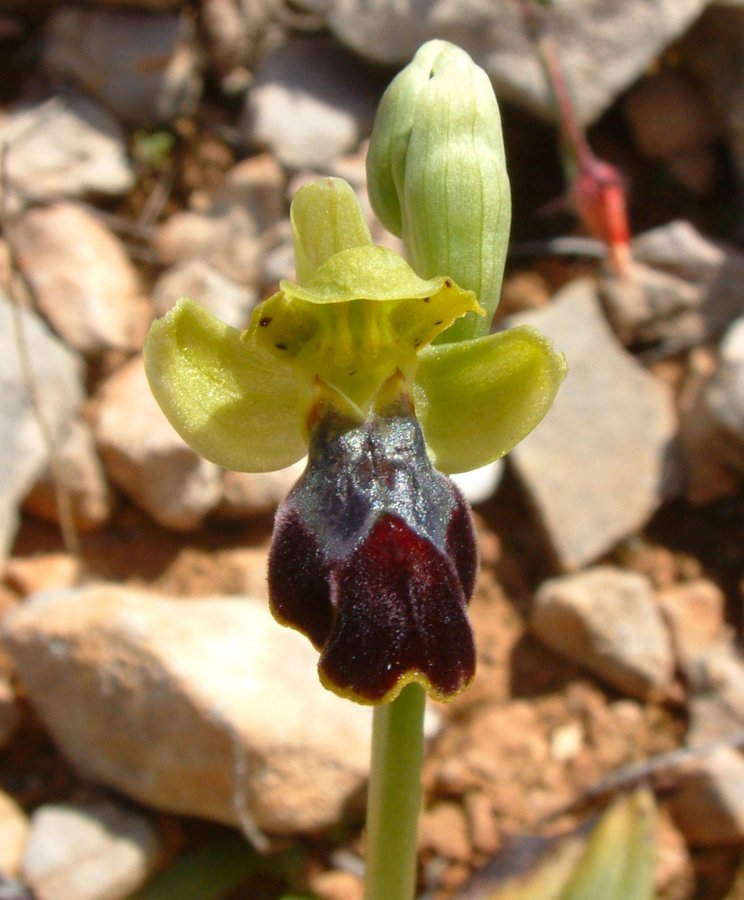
(322, 90)
(58, 377)
(695, 613)
(202, 707)
(708, 800)
(199, 280)
(607, 620)
(708, 657)
(29, 574)
(443, 830)
(604, 46)
(65, 146)
(482, 823)
(95, 851)
(233, 31)
(337, 885)
(713, 426)
(81, 276)
(595, 467)
(246, 494)
(234, 224)
(144, 68)
(13, 835)
(146, 458)
(685, 289)
(81, 474)
(674, 873)
(716, 698)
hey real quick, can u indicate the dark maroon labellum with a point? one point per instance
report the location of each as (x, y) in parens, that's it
(374, 558)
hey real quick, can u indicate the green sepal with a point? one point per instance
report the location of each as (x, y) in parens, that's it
(326, 217)
(476, 399)
(234, 404)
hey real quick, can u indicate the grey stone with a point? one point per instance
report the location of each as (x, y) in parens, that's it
(57, 374)
(595, 468)
(685, 289)
(146, 458)
(233, 226)
(708, 799)
(708, 658)
(13, 835)
(604, 45)
(199, 280)
(82, 278)
(144, 68)
(309, 103)
(204, 707)
(713, 426)
(248, 494)
(66, 146)
(233, 29)
(94, 851)
(715, 704)
(607, 620)
(80, 472)
(695, 612)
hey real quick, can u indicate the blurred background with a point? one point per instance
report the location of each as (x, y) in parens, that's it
(160, 735)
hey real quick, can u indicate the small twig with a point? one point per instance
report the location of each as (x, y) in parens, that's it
(68, 530)
(157, 199)
(632, 775)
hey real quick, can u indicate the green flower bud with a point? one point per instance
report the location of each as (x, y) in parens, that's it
(437, 175)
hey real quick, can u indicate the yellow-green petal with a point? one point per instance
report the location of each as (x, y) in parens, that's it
(476, 399)
(356, 273)
(231, 401)
(361, 316)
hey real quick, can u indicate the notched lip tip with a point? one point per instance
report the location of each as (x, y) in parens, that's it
(414, 677)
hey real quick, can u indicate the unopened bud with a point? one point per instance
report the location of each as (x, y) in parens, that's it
(437, 175)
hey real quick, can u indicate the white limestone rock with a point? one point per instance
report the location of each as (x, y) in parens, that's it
(596, 468)
(203, 707)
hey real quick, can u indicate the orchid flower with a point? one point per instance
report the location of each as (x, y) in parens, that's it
(373, 555)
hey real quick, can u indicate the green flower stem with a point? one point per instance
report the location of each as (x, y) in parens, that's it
(394, 796)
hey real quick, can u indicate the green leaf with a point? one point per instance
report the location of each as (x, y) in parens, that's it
(215, 869)
(618, 863)
(614, 862)
(476, 399)
(233, 402)
(207, 873)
